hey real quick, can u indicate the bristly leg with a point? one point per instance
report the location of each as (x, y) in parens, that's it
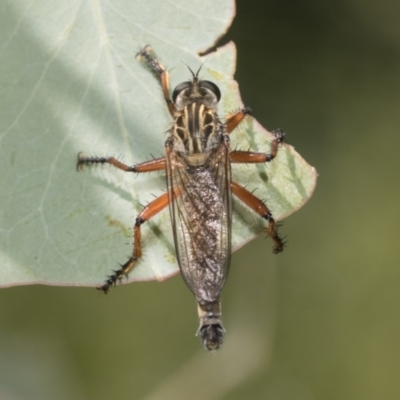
(233, 120)
(117, 275)
(151, 61)
(272, 231)
(263, 211)
(156, 164)
(83, 160)
(250, 157)
(137, 253)
(248, 198)
(158, 69)
(148, 211)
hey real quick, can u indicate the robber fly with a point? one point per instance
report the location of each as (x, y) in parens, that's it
(199, 192)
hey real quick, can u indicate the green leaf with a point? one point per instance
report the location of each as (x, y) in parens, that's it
(70, 82)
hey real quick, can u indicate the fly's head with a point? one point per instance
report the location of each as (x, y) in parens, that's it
(197, 130)
(196, 90)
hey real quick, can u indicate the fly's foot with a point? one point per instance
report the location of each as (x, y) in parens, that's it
(82, 160)
(117, 275)
(279, 135)
(272, 231)
(155, 66)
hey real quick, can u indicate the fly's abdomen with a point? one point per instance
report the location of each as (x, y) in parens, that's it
(202, 236)
(210, 330)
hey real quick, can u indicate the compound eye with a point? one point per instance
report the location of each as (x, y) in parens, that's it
(180, 88)
(212, 87)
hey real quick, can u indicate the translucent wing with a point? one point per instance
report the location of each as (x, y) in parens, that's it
(201, 214)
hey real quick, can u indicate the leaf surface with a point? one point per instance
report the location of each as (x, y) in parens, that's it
(70, 82)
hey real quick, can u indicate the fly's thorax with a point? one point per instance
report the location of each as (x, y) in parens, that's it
(197, 133)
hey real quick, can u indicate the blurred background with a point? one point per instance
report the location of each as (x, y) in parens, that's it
(321, 320)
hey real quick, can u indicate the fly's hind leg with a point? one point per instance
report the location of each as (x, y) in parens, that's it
(261, 209)
(148, 212)
(158, 69)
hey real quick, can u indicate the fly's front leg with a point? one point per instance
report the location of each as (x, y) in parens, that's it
(253, 157)
(148, 212)
(261, 209)
(161, 72)
(148, 166)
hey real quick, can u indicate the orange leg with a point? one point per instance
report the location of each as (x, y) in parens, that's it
(161, 72)
(233, 120)
(148, 166)
(252, 157)
(148, 212)
(262, 210)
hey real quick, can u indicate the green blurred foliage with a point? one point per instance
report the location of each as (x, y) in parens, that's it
(317, 322)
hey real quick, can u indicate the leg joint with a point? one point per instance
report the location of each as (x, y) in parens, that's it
(139, 221)
(268, 216)
(247, 110)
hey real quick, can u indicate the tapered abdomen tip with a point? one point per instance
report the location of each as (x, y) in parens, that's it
(212, 336)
